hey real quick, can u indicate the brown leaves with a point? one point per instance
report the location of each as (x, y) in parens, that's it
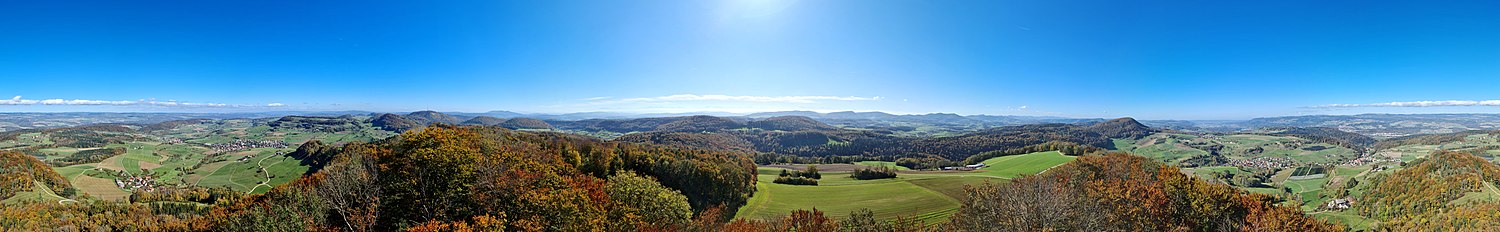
(1123, 192)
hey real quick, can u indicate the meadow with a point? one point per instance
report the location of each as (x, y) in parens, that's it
(926, 195)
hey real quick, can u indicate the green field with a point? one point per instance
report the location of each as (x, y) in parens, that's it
(1016, 165)
(1349, 218)
(885, 198)
(950, 185)
(1208, 172)
(1311, 191)
(1169, 148)
(247, 175)
(931, 196)
(71, 171)
(881, 164)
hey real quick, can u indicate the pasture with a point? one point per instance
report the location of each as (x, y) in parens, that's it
(885, 198)
(252, 175)
(927, 195)
(881, 164)
(1016, 165)
(1168, 148)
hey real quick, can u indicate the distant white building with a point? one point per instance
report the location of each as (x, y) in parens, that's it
(1340, 203)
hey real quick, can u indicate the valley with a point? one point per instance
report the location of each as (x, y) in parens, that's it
(1324, 173)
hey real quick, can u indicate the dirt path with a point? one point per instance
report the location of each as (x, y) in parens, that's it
(1050, 168)
(46, 190)
(265, 173)
(1491, 187)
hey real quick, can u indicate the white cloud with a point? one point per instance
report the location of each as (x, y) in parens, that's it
(143, 102)
(275, 104)
(781, 99)
(1417, 104)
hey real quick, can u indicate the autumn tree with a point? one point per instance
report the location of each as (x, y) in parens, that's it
(350, 186)
(644, 200)
(1122, 192)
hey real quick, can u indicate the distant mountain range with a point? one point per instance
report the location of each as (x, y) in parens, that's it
(934, 124)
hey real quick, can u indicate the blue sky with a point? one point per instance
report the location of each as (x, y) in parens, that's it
(1146, 59)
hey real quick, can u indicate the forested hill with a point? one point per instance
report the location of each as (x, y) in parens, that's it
(513, 123)
(810, 139)
(413, 120)
(1121, 128)
(399, 123)
(1096, 135)
(1451, 190)
(1355, 141)
(611, 125)
(21, 173)
(716, 141)
(394, 122)
(1432, 139)
(1123, 192)
(430, 117)
(700, 124)
(525, 123)
(484, 121)
(791, 123)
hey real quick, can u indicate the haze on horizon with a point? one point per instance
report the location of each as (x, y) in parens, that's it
(1153, 60)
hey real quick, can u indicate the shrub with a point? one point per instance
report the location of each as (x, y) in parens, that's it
(881, 172)
(795, 180)
(811, 173)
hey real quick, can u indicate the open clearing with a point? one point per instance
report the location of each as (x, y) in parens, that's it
(930, 196)
(881, 164)
(885, 198)
(257, 175)
(1016, 165)
(99, 187)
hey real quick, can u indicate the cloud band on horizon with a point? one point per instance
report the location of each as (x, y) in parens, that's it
(17, 100)
(1416, 104)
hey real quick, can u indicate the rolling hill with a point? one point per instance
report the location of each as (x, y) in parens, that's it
(1444, 190)
(22, 173)
(790, 123)
(430, 117)
(525, 123)
(484, 121)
